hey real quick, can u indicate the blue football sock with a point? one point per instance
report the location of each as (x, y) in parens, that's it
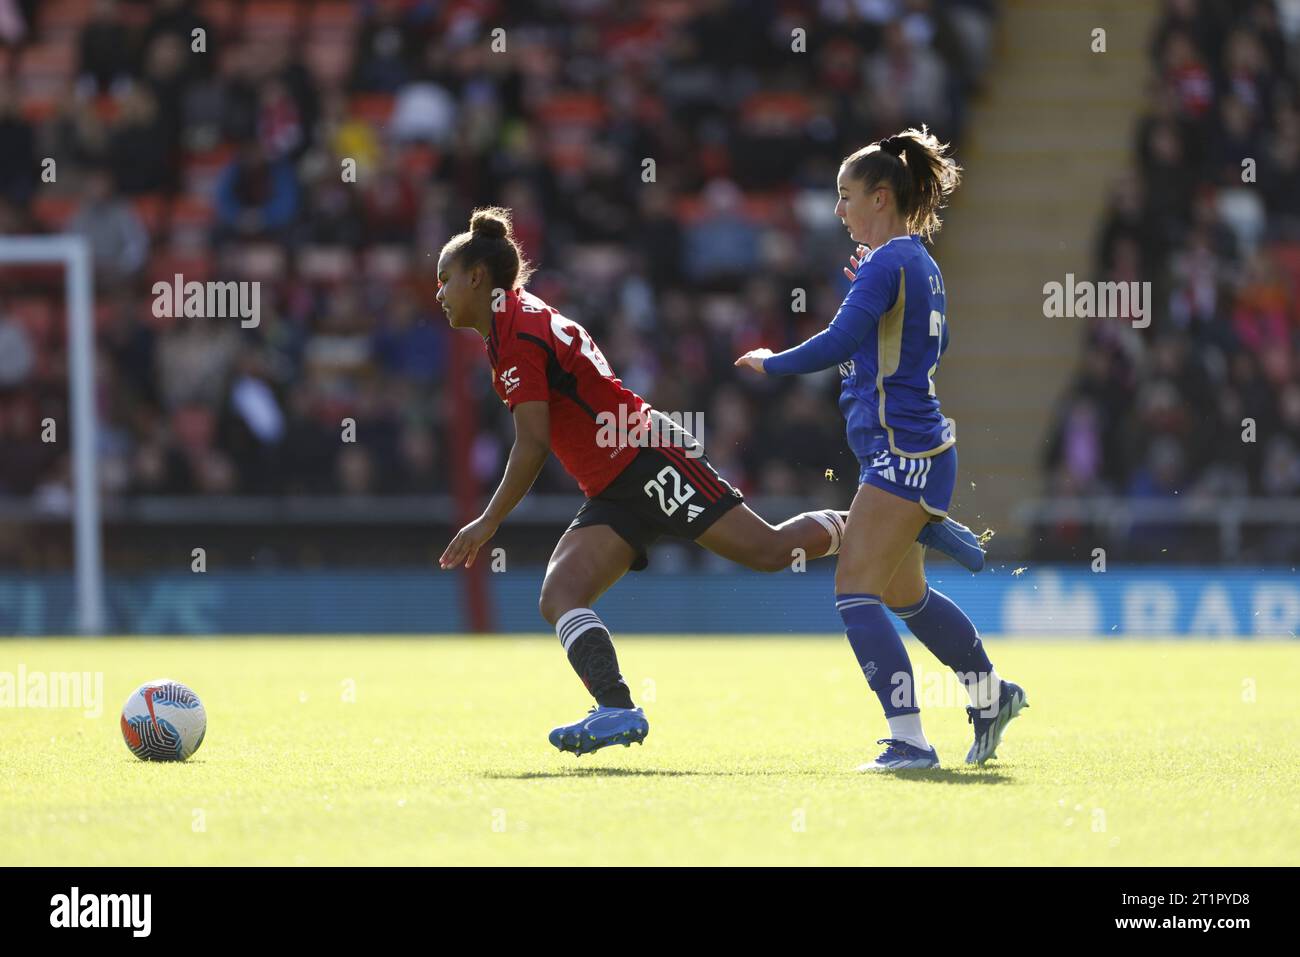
(879, 651)
(944, 628)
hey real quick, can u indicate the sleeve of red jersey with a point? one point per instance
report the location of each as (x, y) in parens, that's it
(523, 373)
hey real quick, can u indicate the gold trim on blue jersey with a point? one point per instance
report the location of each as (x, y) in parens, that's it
(889, 351)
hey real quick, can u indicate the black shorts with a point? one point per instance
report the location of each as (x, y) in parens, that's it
(662, 491)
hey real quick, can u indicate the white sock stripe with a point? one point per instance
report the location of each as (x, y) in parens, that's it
(574, 622)
(856, 603)
(574, 634)
(834, 525)
(821, 519)
(569, 616)
(578, 624)
(920, 607)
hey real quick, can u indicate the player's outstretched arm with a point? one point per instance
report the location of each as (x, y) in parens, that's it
(829, 347)
(527, 456)
(862, 307)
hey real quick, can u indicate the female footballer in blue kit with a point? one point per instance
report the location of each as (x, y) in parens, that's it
(887, 338)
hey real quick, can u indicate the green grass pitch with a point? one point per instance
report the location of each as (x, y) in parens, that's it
(433, 751)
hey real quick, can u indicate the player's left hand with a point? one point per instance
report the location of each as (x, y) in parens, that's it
(753, 359)
(851, 270)
(467, 542)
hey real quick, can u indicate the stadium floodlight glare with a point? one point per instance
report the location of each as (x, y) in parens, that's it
(74, 254)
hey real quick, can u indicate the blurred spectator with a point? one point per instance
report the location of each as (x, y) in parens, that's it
(119, 244)
(18, 167)
(256, 196)
(177, 21)
(105, 51)
(137, 154)
(908, 80)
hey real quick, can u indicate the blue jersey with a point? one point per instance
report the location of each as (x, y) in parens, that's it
(895, 313)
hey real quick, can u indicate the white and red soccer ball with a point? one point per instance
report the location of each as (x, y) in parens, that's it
(163, 721)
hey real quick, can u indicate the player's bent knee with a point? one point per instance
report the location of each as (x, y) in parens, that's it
(901, 597)
(552, 603)
(560, 595)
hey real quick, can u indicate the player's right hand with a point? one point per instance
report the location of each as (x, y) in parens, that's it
(467, 543)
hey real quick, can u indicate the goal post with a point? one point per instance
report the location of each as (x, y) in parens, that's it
(73, 253)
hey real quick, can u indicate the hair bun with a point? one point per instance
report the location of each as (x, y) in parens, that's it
(493, 223)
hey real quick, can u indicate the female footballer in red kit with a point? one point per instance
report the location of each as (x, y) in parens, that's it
(653, 480)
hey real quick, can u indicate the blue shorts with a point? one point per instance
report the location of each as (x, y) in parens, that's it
(927, 481)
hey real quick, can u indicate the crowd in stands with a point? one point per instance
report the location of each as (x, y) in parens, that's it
(208, 139)
(1205, 403)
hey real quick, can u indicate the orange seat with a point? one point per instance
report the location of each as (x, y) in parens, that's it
(372, 108)
(54, 211)
(222, 14)
(38, 107)
(212, 159)
(417, 160)
(688, 209)
(107, 107)
(191, 210)
(49, 59)
(63, 14)
(164, 267)
(333, 16)
(579, 109)
(766, 207)
(271, 16)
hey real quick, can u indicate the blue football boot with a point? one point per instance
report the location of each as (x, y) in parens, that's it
(990, 724)
(956, 541)
(901, 756)
(601, 728)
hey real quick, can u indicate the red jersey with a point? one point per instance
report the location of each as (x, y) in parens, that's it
(539, 355)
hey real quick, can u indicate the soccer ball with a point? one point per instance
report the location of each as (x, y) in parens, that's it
(163, 721)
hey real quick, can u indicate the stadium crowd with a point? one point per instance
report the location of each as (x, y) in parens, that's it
(225, 163)
(1209, 213)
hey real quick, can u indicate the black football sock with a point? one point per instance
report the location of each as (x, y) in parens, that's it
(591, 652)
